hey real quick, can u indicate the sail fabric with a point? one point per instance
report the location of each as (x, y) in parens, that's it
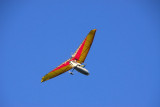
(57, 71)
(82, 51)
(79, 56)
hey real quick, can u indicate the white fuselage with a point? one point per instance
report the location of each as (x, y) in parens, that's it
(77, 66)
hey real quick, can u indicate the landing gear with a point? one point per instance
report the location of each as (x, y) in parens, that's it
(71, 72)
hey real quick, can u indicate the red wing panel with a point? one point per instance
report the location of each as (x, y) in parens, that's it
(78, 54)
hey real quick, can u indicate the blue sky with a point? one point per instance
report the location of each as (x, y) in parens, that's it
(124, 61)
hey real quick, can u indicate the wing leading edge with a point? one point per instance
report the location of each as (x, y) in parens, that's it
(82, 51)
(57, 71)
(79, 56)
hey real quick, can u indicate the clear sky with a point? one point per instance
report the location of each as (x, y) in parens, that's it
(124, 60)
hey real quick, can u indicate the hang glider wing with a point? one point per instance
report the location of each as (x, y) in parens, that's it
(57, 71)
(79, 56)
(82, 51)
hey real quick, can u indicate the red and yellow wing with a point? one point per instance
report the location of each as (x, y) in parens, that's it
(57, 71)
(79, 56)
(82, 51)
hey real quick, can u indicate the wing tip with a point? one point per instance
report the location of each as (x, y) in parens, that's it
(42, 80)
(94, 29)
